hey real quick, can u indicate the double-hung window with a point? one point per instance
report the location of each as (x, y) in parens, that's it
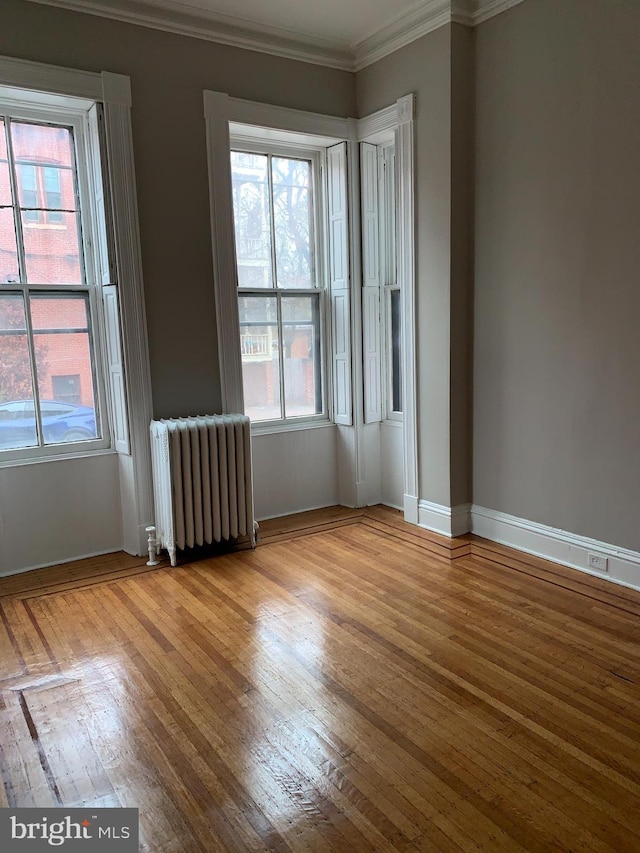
(50, 390)
(280, 285)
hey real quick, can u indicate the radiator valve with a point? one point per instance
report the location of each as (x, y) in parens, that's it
(152, 545)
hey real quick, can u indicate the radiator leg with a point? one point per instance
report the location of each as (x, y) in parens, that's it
(152, 545)
(254, 535)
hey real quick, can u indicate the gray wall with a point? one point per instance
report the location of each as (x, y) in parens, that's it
(557, 219)
(423, 67)
(557, 348)
(168, 75)
(438, 68)
(462, 252)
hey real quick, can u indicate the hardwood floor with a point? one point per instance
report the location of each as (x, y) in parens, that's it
(354, 684)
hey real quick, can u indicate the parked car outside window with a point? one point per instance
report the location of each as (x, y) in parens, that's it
(61, 423)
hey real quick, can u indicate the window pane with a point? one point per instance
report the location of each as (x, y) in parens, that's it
(292, 221)
(37, 143)
(396, 374)
(250, 181)
(58, 192)
(299, 309)
(63, 360)
(66, 388)
(45, 187)
(68, 312)
(260, 357)
(53, 188)
(5, 185)
(9, 269)
(52, 252)
(28, 189)
(301, 347)
(28, 185)
(17, 419)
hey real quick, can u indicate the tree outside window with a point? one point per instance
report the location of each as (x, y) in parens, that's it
(278, 292)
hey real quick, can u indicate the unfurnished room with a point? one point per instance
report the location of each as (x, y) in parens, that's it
(319, 406)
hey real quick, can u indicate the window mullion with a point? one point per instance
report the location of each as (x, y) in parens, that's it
(17, 219)
(22, 266)
(281, 351)
(34, 368)
(274, 279)
(79, 215)
(93, 345)
(50, 209)
(388, 354)
(272, 226)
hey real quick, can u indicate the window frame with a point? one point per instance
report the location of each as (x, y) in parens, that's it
(390, 282)
(316, 154)
(54, 110)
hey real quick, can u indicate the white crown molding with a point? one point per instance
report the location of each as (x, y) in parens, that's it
(560, 546)
(464, 11)
(175, 17)
(222, 29)
(486, 9)
(413, 25)
(424, 19)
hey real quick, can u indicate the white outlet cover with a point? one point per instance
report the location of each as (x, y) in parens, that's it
(598, 562)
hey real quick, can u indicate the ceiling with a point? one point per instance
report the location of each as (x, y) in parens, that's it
(347, 34)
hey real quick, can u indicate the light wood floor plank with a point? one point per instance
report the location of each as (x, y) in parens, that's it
(353, 685)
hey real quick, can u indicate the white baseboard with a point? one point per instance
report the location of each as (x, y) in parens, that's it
(301, 509)
(7, 573)
(562, 547)
(446, 520)
(411, 509)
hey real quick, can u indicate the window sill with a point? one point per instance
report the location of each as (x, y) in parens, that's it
(270, 429)
(16, 461)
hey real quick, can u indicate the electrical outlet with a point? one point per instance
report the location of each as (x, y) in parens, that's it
(598, 563)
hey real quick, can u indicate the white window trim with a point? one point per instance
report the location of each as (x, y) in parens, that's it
(388, 233)
(397, 119)
(114, 92)
(371, 267)
(220, 110)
